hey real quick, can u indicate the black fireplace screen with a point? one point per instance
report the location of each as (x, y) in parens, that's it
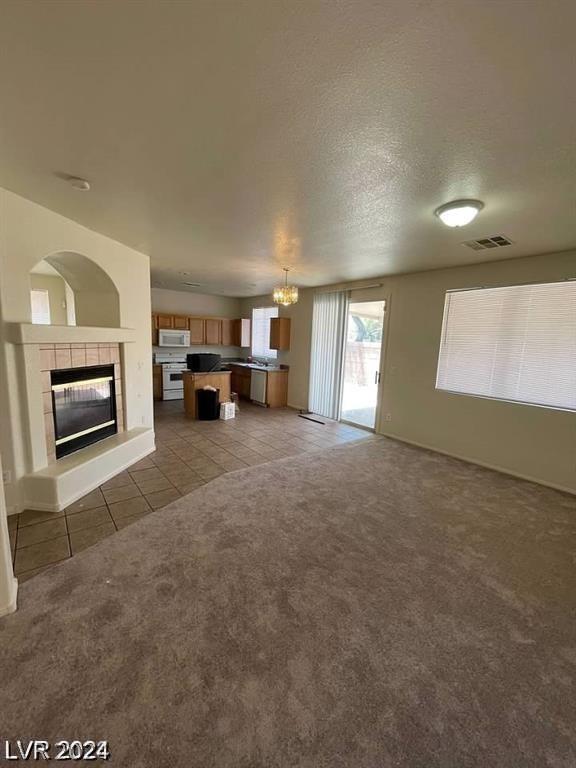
(84, 407)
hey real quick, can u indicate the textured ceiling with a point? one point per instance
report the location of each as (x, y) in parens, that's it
(227, 139)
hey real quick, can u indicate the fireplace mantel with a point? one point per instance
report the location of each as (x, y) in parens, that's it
(52, 484)
(27, 333)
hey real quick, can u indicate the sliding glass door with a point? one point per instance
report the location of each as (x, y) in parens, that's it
(361, 362)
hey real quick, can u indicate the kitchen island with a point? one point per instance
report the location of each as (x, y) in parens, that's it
(193, 381)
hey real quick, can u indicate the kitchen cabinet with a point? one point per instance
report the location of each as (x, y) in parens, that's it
(276, 388)
(220, 380)
(180, 323)
(240, 381)
(213, 331)
(197, 330)
(227, 332)
(242, 332)
(157, 382)
(164, 321)
(280, 333)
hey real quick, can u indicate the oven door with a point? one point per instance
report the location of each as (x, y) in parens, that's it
(172, 383)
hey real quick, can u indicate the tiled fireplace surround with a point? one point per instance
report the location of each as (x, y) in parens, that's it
(61, 356)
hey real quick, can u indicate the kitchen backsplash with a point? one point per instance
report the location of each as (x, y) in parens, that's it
(182, 351)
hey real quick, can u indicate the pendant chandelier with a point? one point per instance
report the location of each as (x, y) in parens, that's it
(285, 294)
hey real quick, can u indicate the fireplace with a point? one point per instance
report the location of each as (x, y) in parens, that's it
(83, 407)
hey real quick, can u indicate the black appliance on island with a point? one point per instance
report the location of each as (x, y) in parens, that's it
(203, 362)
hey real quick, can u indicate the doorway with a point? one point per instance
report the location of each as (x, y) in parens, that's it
(361, 363)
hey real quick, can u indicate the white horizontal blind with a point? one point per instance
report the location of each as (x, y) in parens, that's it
(261, 331)
(40, 301)
(516, 343)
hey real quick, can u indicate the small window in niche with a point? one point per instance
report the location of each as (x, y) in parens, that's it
(40, 302)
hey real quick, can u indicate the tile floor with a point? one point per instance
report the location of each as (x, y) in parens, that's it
(188, 454)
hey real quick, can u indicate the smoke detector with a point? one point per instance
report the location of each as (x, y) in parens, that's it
(80, 184)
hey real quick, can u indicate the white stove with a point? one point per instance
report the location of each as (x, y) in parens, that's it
(172, 367)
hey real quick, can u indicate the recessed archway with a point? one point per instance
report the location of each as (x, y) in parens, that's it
(91, 297)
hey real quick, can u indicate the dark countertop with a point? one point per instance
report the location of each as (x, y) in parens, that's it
(256, 367)
(203, 373)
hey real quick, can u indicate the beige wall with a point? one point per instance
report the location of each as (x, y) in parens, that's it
(537, 443)
(188, 303)
(56, 288)
(298, 357)
(29, 233)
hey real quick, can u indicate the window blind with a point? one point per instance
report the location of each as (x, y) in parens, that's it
(516, 343)
(40, 302)
(261, 317)
(328, 324)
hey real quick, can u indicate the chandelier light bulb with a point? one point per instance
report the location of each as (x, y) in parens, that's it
(285, 294)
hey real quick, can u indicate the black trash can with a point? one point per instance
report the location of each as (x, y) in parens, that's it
(207, 404)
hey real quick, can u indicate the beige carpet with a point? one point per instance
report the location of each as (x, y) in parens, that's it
(373, 605)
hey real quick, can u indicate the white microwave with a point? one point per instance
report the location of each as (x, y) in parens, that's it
(167, 337)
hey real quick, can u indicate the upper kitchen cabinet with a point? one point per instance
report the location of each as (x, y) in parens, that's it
(209, 331)
(213, 333)
(180, 323)
(280, 333)
(242, 332)
(227, 332)
(163, 321)
(197, 327)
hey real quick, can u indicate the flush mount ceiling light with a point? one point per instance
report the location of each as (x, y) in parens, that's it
(458, 213)
(80, 184)
(285, 294)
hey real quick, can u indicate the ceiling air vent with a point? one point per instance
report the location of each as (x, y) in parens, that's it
(496, 241)
(193, 285)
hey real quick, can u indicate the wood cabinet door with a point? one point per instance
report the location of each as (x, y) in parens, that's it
(227, 330)
(277, 389)
(180, 323)
(274, 333)
(197, 330)
(245, 332)
(157, 381)
(213, 330)
(280, 333)
(164, 321)
(241, 332)
(244, 387)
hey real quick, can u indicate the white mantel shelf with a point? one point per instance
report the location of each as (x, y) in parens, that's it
(27, 333)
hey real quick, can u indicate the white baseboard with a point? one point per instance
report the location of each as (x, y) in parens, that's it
(10, 606)
(495, 467)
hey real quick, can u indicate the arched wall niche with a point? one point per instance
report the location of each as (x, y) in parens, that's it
(96, 298)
